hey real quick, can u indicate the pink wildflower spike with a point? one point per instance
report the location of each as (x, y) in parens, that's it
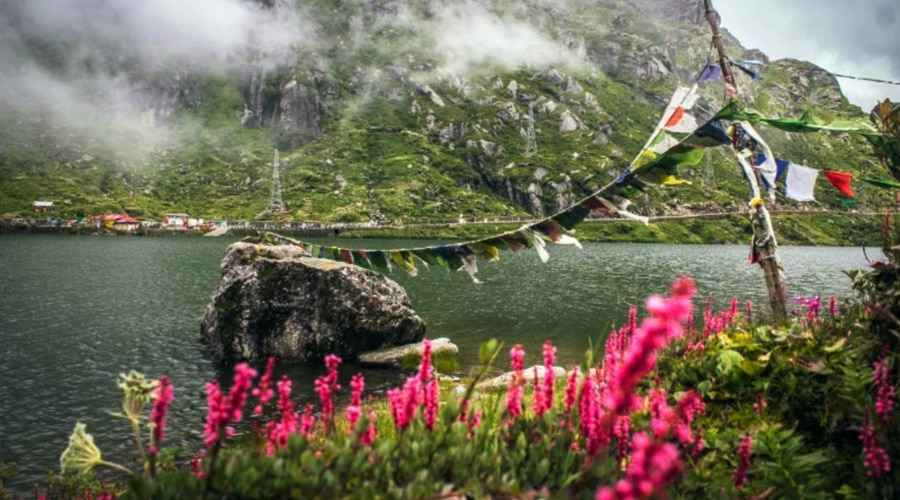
(732, 313)
(622, 432)
(739, 474)
(425, 368)
(164, 393)
(196, 464)
(653, 465)
(412, 398)
(749, 306)
(760, 404)
(663, 417)
(431, 403)
(216, 411)
(357, 385)
(326, 385)
(353, 414)
(517, 357)
(323, 389)
(307, 421)
(279, 431)
(663, 325)
(832, 306)
(571, 391)
(263, 391)
(549, 379)
(368, 437)
(884, 398)
(537, 396)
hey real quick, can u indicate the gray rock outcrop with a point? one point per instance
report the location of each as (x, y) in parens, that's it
(279, 301)
(393, 356)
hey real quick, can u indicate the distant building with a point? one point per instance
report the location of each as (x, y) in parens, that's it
(42, 206)
(176, 220)
(121, 222)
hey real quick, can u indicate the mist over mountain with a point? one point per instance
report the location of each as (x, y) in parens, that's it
(381, 109)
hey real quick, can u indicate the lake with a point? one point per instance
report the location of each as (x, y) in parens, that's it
(75, 311)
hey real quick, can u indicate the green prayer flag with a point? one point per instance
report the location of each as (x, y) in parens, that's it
(379, 261)
(807, 123)
(572, 216)
(429, 256)
(361, 259)
(882, 183)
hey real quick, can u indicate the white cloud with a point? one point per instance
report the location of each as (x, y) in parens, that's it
(469, 35)
(858, 38)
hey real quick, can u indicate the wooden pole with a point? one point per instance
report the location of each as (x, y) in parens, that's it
(764, 242)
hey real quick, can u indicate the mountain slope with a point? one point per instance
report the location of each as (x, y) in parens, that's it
(387, 110)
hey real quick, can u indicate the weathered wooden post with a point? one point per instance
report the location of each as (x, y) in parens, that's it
(764, 242)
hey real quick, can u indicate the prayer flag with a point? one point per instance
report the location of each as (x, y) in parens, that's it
(710, 72)
(882, 183)
(840, 180)
(800, 182)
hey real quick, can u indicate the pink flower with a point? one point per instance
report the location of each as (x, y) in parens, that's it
(884, 399)
(164, 394)
(323, 389)
(326, 385)
(739, 474)
(832, 306)
(280, 430)
(431, 403)
(243, 380)
(515, 390)
(759, 404)
(307, 421)
(622, 432)
(571, 391)
(368, 437)
(263, 391)
(749, 306)
(357, 385)
(663, 325)
(425, 367)
(545, 401)
(653, 465)
(517, 357)
(215, 410)
(875, 458)
(354, 410)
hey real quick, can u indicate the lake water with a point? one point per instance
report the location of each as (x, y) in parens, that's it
(75, 311)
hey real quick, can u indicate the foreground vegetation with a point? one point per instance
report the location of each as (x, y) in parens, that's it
(684, 404)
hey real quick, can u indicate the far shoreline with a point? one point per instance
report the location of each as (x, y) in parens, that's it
(793, 228)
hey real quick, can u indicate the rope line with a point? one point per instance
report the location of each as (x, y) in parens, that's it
(876, 80)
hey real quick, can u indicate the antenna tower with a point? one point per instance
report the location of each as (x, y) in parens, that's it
(275, 204)
(530, 140)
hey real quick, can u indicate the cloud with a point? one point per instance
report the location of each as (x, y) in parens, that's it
(468, 36)
(860, 38)
(84, 64)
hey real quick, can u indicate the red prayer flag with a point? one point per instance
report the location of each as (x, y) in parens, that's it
(840, 180)
(675, 118)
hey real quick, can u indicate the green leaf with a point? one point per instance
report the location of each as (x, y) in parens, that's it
(836, 346)
(728, 360)
(486, 350)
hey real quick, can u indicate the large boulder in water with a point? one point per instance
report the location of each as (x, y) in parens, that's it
(279, 301)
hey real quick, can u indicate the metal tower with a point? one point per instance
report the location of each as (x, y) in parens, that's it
(275, 204)
(530, 140)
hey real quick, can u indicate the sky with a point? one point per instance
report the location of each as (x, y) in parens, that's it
(850, 37)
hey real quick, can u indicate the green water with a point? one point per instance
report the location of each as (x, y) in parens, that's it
(77, 310)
